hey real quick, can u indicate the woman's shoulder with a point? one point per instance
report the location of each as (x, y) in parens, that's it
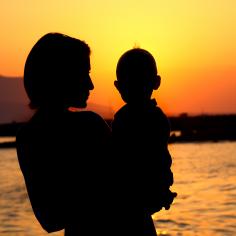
(89, 120)
(88, 116)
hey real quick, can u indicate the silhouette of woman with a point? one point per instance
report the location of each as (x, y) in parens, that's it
(62, 154)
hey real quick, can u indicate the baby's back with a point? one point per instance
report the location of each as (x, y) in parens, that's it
(140, 137)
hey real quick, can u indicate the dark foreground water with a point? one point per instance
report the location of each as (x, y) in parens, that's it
(205, 179)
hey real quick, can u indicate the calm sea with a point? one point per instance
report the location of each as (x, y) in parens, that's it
(205, 179)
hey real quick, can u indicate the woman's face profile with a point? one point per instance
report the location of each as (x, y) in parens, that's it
(79, 84)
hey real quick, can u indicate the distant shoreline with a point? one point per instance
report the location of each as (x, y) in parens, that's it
(8, 145)
(184, 128)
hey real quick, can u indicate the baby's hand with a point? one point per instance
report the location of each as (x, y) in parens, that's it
(152, 210)
(169, 199)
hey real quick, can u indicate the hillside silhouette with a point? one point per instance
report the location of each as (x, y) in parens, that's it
(14, 102)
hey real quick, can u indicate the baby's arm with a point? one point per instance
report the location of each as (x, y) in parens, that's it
(168, 199)
(163, 199)
(167, 180)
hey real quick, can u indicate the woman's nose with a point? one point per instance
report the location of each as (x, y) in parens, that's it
(90, 84)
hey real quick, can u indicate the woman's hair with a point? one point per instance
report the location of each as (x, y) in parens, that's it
(48, 65)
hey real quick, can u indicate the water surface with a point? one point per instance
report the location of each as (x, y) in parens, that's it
(205, 179)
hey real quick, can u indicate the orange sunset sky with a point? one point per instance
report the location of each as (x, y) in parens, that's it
(193, 41)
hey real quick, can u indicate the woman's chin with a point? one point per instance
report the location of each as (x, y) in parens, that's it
(84, 105)
(81, 104)
(77, 105)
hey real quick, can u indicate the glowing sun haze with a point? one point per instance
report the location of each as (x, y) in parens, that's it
(193, 42)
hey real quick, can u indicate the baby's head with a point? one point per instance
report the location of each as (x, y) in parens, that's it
(56, 72)
(136, 76)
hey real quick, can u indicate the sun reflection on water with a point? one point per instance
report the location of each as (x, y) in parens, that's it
(205, 180)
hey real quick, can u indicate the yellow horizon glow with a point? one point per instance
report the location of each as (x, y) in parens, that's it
(193, 43)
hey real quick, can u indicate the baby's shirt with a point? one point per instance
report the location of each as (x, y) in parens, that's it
(140, 137)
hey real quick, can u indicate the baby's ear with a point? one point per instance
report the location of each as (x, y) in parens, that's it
(116, 83)
(157, 82)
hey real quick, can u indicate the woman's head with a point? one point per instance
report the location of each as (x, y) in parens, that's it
(57, 72)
